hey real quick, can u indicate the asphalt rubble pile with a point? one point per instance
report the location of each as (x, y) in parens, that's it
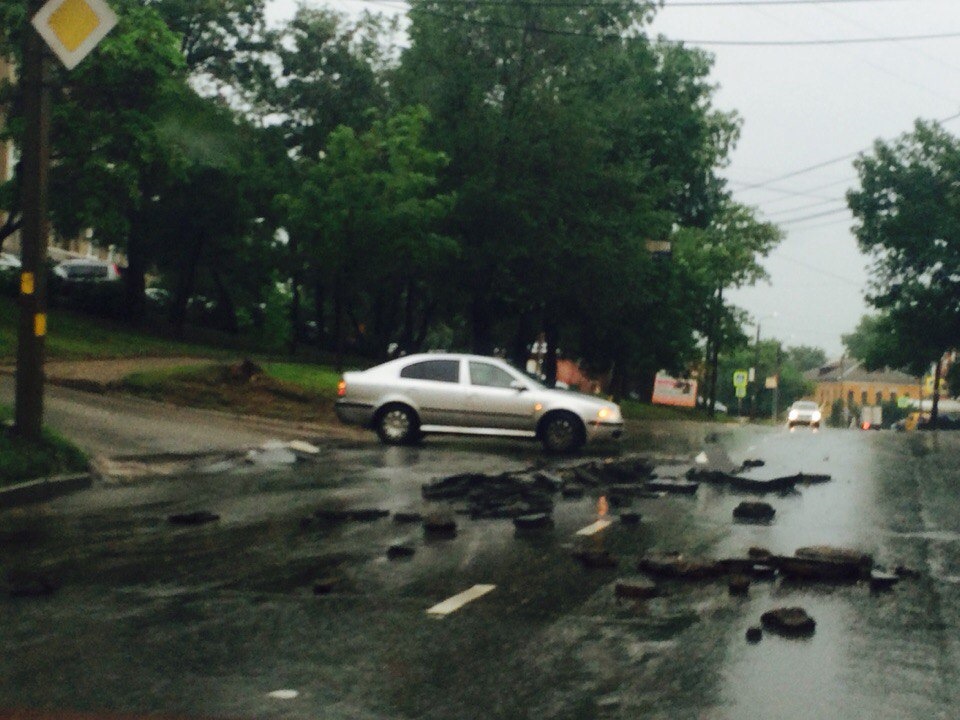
(531, 493)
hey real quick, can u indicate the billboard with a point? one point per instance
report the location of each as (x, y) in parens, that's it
(671, 391)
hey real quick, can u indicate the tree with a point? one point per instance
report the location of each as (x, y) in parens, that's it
(908, 221)
(806, 357)
(367, 216)
(724, 255)
(569, 150)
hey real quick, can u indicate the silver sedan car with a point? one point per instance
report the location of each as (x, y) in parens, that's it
(470, 395)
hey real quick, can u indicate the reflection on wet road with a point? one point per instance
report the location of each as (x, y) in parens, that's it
(270, 612)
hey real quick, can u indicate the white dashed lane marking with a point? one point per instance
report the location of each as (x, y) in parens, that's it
(458, 601)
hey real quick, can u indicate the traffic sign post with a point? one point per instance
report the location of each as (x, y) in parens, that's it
(740, 379)
(72, 28)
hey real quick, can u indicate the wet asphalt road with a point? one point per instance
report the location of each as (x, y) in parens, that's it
(208, 621)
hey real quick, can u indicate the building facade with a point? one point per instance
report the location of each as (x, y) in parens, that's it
(848, 380)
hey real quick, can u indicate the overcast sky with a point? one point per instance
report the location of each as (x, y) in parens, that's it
(803, 106)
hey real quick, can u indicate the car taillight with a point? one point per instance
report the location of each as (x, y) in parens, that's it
(341, 388)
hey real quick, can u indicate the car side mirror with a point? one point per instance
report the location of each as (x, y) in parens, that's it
(518, 386)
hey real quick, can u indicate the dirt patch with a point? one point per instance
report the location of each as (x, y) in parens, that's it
(235, 388)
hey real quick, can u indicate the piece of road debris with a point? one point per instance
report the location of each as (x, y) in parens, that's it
(368, 514)
(332, 515)
(754, 634)
(629, 518)
(199, 517)
(789, 622)
(407, 516)
(748, 464)
(636, 589)
(739, 585)
(754, 512)
(880, 581)
(398, 551)
(440, 524)
(536, 521)
(675, 566)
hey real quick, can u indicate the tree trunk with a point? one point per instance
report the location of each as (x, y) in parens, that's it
(134, 280)
(647, 377)
(481, 328)
(714, 359)
(338, 324)
(295, 296)
(520, 348)
(178, 310)
(226, 310)
(319, 311)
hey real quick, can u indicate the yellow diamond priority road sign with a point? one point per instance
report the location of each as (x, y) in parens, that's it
(72, 28)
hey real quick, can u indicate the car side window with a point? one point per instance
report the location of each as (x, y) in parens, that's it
(489, 375)
(437, 370)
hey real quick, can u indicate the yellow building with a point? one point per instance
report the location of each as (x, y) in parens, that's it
(847, 379)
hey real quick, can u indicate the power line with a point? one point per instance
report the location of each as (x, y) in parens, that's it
(813, 216)
(825, 163)
(808, 206)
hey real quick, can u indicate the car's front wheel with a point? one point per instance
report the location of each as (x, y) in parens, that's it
(397, 425)
(562, 432)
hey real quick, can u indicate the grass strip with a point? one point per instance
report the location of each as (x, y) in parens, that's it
(22, 460)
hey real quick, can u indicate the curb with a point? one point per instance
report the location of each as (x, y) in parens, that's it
(35, 491)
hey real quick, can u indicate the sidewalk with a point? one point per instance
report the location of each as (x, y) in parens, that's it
(96, 375)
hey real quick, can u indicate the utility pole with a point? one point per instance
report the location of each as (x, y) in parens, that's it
(34, 233)
(776, 388)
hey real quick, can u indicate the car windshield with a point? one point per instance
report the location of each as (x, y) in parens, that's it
(806, 406)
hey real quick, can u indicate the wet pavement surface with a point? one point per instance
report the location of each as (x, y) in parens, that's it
(270, 611)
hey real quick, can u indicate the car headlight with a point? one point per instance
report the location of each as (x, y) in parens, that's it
(792, 415)
(603, 413)
(816, 416)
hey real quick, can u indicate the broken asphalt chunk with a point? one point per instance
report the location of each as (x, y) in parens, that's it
(407, 516)
(789, 622)
(675, 566)
(757, 512)
(332, 515)
(198, 517)
(880, 581)
(739, 585)
(368, 514)
(637, 589)
(537, 521)
(398, 551)
(754, 634)
(440, 524)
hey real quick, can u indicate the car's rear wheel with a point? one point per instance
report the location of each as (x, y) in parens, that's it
(397, 425)
(561, 432)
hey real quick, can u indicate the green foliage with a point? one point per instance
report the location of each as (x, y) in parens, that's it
(805, 357)
(908, 220)
(76, 337)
